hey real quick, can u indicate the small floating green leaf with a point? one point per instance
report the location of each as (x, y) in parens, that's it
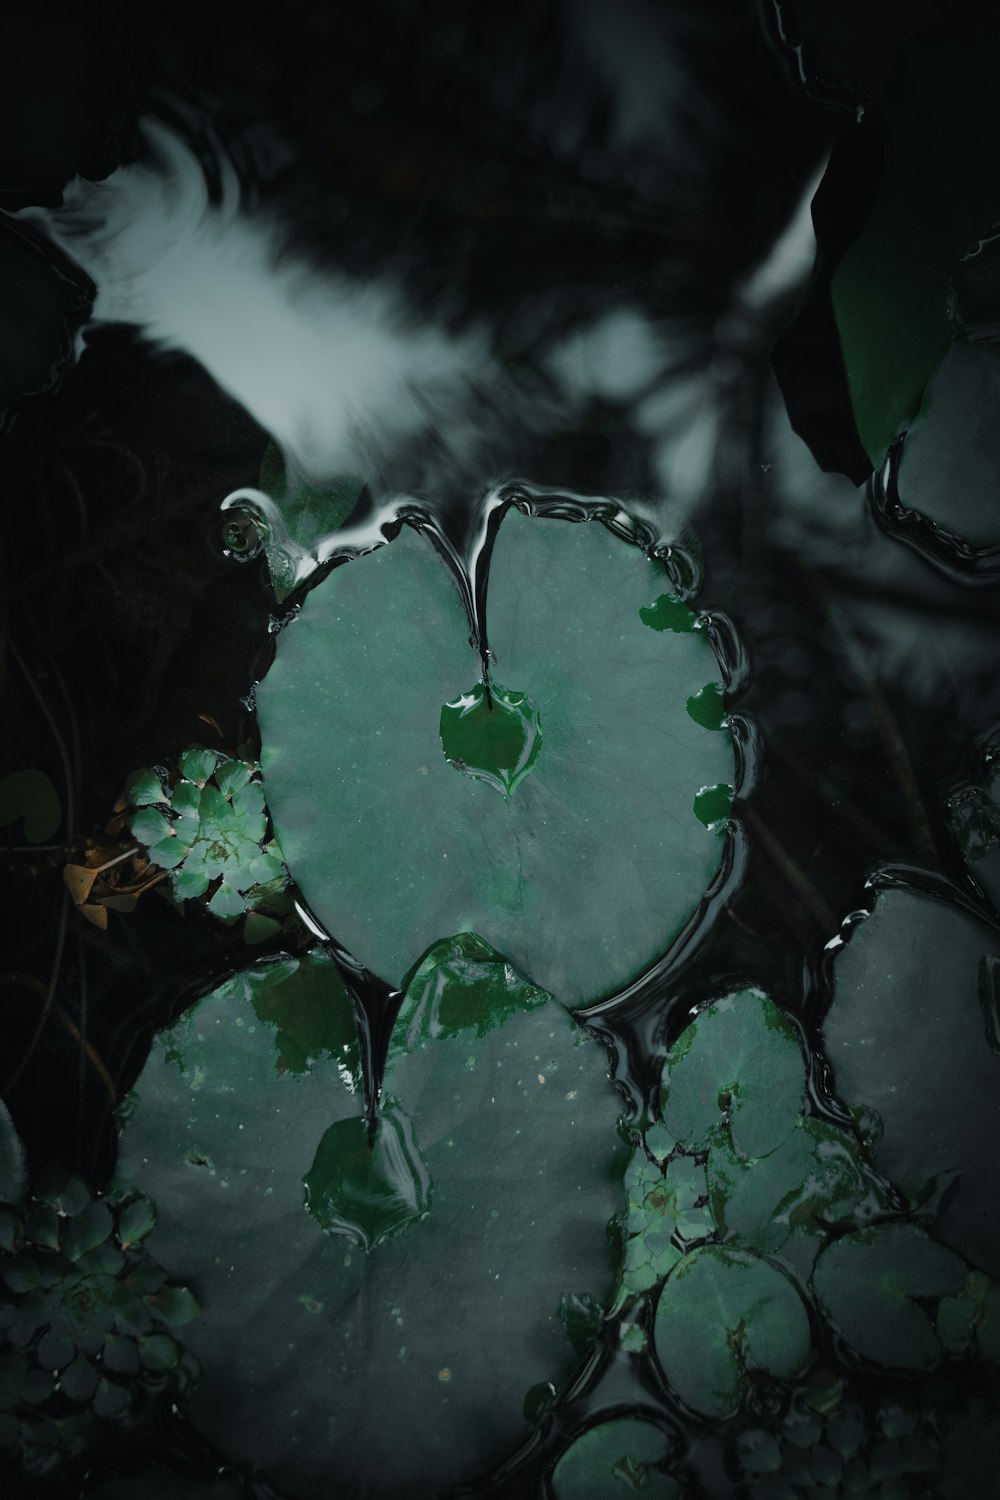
(616, 1458)
(452, 1313)
(30, 796)
(926, 1067)
(713, 804)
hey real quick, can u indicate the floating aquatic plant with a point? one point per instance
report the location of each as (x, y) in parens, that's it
(568, 812)
(209, 829)
(436, 1261)
(87, 1318)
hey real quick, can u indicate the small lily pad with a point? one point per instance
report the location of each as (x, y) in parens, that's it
(616, 1458)
(737, 1069)
(30, 797)
(452, 1311)
(909, 1039)
(723, 1315)
(589, 861)
(873, 1287)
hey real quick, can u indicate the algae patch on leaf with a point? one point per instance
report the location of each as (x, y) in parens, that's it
(594, 857)
(484, 1203)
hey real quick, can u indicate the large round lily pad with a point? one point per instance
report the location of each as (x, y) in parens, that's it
(911, 1035)
(414, 1288)
(586, 846)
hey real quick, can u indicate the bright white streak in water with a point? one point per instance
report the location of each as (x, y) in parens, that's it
(323, 362)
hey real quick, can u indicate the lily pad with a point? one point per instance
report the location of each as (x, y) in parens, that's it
(787, 1203)
(909, 1038)
(938, 195)
(873, 1286)
(616, 1458)
(723, 1316)
(737, 1070)
(30, 797)
(585, 868)
(949, 465)
(307, 1339)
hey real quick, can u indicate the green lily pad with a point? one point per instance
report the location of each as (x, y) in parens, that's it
(307, 1339)
(615, 1458)
(910, 1037)
(938, 195)
(585, 870)
(949, 464)
(872, 1286)
(13, 1170)
(30, 796)
(786, 1203)
(723, 1315)
(737, 1069)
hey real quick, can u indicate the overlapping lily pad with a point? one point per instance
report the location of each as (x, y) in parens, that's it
(724, 1317)
(312, 1346)
(582, 872)
(911, 1035)
(788, 1202)
(874, 1287)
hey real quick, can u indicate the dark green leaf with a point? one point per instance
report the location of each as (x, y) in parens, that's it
(79, 1380)
(145, 787)
(158, 1351)
(721, 1314)
(54, 1351)
(737, 1066)
(615, 1458)
(110, 1399)
(461, 984)
(30, 796)
(87, 1230)
(174, 1305)
(135, 1220)
(121, 1355)
(937, 198)
(62, 1191)
(197, 765)
(786, 1202)
(304, 1000)
(925, 1066)
(453, 1317)
(872, 1286)
(583, 876)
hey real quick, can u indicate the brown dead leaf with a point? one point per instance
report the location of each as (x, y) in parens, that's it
(79, 882)
(98, 915)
